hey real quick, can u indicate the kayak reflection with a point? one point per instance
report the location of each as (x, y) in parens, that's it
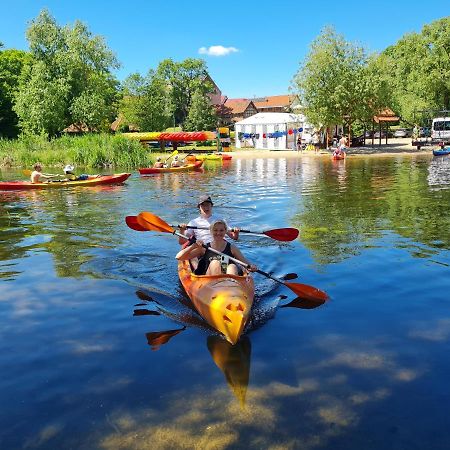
(233, 361)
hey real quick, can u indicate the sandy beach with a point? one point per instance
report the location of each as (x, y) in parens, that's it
(395, 146)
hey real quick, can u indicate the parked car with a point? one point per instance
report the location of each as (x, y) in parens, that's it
(402, 132)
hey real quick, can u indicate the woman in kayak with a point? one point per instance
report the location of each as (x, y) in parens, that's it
(37, 174)
(209, 263)
(204, 220)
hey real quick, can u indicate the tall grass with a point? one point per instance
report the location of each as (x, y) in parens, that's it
(93, 150)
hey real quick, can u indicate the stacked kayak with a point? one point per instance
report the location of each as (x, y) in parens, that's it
(152, 170)
(224, 301)
(213, 157)
(91, 181)
(442, 151)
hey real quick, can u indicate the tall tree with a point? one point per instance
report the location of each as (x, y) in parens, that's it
(146, 102)
(184, 79)
(12, 63)
(202, 115)
(335, 83)
(416, 68)
(72, 69)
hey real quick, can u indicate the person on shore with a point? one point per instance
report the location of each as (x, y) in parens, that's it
(343, 143)
(204, 220)
(37, 176)
(158, 164)
(210, 263)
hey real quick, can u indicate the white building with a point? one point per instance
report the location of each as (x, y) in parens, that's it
(273, 131)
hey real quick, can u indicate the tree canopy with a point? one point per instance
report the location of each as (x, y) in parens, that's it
(12, 63)
(69, 80)
(336, 83)
(416, 69)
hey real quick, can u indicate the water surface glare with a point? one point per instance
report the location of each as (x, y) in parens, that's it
(99, 349)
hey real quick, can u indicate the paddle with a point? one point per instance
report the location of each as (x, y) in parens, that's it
(27, 173)
(154, 223)
(279, 234)
(175, 152)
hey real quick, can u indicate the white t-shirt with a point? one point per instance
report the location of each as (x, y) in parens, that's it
(203, 222)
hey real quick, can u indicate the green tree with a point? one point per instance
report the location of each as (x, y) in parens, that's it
(12, 63)
(183, 79)
(202, 115)
(146, 103)
(72, 70)
(416, 69)
(335, 82)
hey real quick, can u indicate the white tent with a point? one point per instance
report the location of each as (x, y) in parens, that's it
(273, 131)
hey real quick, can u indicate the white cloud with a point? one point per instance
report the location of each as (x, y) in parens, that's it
(217, 50)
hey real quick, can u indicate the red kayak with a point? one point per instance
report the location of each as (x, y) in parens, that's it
(91, 181)
(339, 156)
(186, 168)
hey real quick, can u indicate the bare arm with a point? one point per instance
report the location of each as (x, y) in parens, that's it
(238, 255)
(193, 251)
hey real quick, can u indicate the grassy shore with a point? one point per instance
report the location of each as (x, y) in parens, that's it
(93, 150)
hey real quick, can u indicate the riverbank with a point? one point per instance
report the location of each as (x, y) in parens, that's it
(395, 146)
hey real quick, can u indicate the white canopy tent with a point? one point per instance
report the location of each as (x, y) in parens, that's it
(273, 131)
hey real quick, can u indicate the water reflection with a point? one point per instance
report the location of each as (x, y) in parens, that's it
(439, 172)
(234, 362)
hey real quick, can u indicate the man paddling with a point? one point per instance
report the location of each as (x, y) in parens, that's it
(204, 220)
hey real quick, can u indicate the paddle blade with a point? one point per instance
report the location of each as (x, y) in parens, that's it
(303, 303)
(283, 234)
(151, 222)
(307, 292)
(26, 172)
(132, 222)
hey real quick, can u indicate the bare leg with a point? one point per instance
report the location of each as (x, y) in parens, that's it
(232, 269)
(214, 268)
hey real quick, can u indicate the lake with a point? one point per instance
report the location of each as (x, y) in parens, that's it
(100, 349)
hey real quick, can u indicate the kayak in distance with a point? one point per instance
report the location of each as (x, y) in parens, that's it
(151, 170)
(224, 301)
(442, 151)
(91, 181)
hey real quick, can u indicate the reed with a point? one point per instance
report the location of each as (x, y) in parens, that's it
(93, 150)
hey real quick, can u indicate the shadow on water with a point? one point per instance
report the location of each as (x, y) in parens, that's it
(232, 360)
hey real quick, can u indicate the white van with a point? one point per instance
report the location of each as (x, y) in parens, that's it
(440, 129)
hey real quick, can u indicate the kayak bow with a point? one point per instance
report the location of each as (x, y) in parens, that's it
(224, 301)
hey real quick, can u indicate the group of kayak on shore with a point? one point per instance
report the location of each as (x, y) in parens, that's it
(210, 231)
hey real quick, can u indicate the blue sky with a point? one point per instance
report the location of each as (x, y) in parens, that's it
(266, 40)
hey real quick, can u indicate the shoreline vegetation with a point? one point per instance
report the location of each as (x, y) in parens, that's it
(104, 150)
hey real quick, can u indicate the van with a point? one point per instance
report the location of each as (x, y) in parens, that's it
(440, 129)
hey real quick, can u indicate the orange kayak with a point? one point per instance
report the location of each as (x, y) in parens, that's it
(187, 167)
(91, 181)
(224, 301)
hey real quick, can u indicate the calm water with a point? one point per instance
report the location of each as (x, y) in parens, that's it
(100, 350)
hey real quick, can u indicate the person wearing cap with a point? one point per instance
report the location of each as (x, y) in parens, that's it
(68, 173)
(210, 263)
(204, 220)
(158, 164)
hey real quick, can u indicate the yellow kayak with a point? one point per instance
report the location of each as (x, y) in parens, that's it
(224, 301)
